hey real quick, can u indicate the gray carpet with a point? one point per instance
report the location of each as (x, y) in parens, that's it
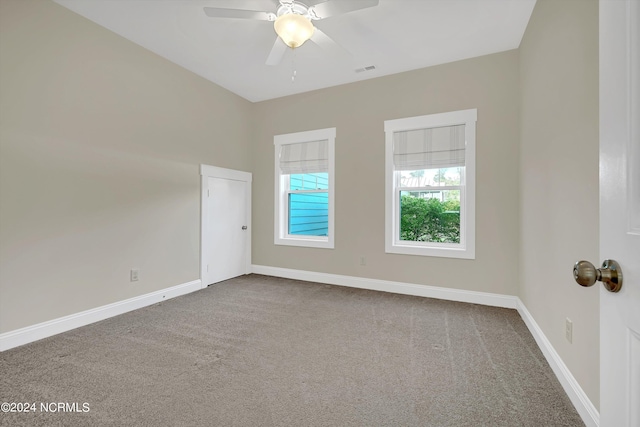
(263, 351)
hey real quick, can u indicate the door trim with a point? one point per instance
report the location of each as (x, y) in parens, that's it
(206, 172)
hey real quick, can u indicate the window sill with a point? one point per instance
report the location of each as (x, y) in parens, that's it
(302, 242)
(460, 253)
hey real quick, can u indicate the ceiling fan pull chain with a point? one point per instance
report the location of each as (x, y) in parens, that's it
(293, 67)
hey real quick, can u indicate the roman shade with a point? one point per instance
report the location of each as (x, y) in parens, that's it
(304, 157)
(431, 148)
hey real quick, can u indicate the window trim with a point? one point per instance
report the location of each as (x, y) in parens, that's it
(466, 248)
(280, 228)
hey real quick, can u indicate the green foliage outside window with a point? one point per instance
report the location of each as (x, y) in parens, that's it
(429, 220)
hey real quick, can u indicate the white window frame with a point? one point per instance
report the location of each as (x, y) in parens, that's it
(466, 248)
(281, 191)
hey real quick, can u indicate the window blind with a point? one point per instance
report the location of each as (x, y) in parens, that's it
(305, 157)
(442, 147)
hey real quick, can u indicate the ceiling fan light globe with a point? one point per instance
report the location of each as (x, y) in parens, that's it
(293, 29)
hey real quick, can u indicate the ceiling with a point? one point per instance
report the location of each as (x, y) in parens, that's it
(395, 36)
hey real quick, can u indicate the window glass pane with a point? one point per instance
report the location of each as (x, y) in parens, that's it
(430, 216)
(309, 181)
(432, 177)
(309, 214)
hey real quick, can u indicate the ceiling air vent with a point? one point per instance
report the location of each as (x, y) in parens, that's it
(367, 68)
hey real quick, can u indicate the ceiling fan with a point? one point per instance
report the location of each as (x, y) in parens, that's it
(292, 21)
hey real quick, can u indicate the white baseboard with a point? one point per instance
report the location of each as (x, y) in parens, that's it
(39, 331)
(588, 412)
(483, 298)
(583, 405)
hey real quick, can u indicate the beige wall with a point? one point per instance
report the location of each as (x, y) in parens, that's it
(100, 142)
(358, 111)
(559, 178)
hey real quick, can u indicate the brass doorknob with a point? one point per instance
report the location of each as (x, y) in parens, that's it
(610, 274)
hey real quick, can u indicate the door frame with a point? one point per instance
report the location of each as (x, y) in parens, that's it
(206, 172)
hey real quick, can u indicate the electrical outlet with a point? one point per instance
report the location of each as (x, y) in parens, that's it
(568, 330)
(134, 274)
(363, 260)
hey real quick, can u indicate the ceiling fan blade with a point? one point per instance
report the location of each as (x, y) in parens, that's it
(327, 43)
(277, 52)
(219, 12)
(338, 7)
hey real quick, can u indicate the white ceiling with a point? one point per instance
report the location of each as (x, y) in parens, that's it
(395, 36)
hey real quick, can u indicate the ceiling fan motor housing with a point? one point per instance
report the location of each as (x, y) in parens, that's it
(287, 7)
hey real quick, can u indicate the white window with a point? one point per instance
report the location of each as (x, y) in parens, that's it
(304, 188)
(430, 185)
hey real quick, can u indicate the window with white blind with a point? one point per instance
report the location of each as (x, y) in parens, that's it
(304, 165)
(430, 185)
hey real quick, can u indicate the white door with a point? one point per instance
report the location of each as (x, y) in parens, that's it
(620, 210)
(227, 229)
(226, 220)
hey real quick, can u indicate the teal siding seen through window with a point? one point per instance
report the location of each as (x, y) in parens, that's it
(308, 204)
(309, 214)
